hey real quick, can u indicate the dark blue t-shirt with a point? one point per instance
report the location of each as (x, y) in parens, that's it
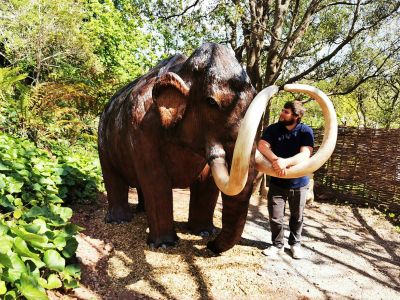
(285, 143)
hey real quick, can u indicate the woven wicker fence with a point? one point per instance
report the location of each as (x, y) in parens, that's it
(364, 168)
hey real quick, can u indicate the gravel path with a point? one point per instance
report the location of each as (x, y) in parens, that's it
(351, 253)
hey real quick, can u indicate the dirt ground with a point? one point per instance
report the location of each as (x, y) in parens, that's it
(351, 253)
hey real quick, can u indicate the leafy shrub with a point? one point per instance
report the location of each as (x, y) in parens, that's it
(36, 237)
(81, 177)
(13, 96)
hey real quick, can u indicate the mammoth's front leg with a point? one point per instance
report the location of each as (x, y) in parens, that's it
(234, 213)
(203, 198)
(155, 185)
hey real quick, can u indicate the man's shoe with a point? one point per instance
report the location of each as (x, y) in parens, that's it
(273, 251)
(297, 252)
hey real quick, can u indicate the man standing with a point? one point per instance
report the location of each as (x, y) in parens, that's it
(285, 144)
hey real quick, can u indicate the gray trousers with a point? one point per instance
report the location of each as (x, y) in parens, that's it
(277, 198)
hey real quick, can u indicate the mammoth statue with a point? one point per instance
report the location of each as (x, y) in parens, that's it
(182, 125)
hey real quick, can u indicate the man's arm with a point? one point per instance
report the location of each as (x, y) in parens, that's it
(305, 152)
(265, 148)
(280, 164)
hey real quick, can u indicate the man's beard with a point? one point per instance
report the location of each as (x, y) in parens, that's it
(287, 122)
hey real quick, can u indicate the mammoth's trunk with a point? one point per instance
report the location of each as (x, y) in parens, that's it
(234, 183)
(327, 146)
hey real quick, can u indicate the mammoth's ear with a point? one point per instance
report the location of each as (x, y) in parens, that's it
(170, 93)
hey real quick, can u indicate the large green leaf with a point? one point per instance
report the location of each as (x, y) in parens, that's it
(73, 270)
(51, 216)
(33, 239)
(5, 260)
(14, 186)
(38, 263)
(3, 229)
(70, 248)
(2, 181)
(30, 289)
(46, 181)
(3, 288)
(37, 211)
(60, 242)
(32, 228)
(24, 173)
(37, 187)
(72, 229)
(5, 244)
(70, 283)
(18, 267)
(54, 261)
(64, 212)
(21, 248)
(4, 167)
(10, 295)
(18, 166)
(42, 224)
(6, 203)
(17, 213)
(52, 282)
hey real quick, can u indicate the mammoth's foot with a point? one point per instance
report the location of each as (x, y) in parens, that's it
(203, 231)
(119, 214)
(213, 246)
(166, 241)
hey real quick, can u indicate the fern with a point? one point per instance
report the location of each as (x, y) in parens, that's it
(9, 77)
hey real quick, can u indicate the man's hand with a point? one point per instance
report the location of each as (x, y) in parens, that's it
(280, 165)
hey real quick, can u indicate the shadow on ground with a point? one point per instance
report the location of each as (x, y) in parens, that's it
(352, 253)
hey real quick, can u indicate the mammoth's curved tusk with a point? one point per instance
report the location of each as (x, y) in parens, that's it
(328, 143)
(234, 184)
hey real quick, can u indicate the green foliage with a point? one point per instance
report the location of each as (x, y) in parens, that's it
(81, 177)
(9, 77)
(48, 110)
(12, 98)
(74, 55)
(44, 38)
(70, 58)
(178, 26)
(36, 238)
(118, 39)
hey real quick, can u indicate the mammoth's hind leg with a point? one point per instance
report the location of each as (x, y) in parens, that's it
(203, 198)
(117, 196)
(140, 207)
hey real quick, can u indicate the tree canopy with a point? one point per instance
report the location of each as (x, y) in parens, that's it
(348, 48)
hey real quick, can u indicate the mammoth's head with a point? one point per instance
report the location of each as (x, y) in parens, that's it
(206, 98)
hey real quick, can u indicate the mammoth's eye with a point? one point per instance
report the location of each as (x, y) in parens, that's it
(212, 101)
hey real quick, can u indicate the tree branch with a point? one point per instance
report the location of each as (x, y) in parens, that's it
(343, 3)
(182, 13)
(350, 36)
(364, 79)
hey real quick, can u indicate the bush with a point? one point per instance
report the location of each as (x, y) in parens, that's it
(81, 177)
(36, 238)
